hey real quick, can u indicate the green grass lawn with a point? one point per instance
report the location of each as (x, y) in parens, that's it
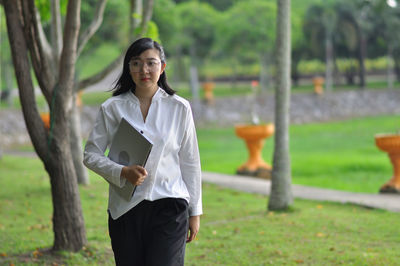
(337, 155)
(236, 228)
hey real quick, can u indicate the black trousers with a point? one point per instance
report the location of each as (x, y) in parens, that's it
(152, 233)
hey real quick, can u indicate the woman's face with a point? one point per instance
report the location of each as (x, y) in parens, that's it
(146, 69)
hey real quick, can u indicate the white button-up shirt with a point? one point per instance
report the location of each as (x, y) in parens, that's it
(173, 165)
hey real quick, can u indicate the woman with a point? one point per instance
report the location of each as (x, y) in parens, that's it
(164, 212)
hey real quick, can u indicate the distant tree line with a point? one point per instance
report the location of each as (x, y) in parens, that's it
(214, 38)
(340, 33)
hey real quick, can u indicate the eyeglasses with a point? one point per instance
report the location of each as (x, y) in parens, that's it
(138, 66)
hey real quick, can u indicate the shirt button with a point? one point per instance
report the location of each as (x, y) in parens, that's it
(141, 131)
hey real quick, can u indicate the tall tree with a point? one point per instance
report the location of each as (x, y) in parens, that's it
(196, 33)
(387, 23)
(361, 13)
(281, 192)
(54, 67)
(299, 45)
(319, 26)
(74, 119)
(346, 40)
(6, 80)
(52, 147)
(246, 32)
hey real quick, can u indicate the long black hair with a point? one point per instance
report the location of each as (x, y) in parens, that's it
(125, 82)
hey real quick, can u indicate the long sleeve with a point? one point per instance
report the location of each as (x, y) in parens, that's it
(94, 157)
(189, 160)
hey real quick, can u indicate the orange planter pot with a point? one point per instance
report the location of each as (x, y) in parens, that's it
(254, 136)
(208, 88)
(46, 120)
(318, 83)
(390, 143)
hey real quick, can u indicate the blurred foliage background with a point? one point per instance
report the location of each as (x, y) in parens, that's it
(233, 40)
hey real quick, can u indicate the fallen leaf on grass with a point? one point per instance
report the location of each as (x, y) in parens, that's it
(278, 252)
(37, 253)
(319, 234)
(3, 254)
(214, 232)
(38, 227)
(319, 206)
(299, 261)
(88, 251)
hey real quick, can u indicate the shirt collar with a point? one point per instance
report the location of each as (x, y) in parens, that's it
(160, 93)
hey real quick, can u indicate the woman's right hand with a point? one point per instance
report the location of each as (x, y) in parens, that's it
(135, 174)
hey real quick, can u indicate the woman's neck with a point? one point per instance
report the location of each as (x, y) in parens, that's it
(145, 95)
(144, 102)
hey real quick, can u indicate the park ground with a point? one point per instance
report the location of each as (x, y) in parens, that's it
(237, 228)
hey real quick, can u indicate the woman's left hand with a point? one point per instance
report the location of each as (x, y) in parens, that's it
(194, 227)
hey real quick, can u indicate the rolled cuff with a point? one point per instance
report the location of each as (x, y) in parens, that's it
(195, 211)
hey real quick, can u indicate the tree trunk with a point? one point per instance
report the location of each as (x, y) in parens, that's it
(390, 68)
(194, 75)
(329, 63)
(147, 12)
(76, 143)
(194, 82)
(180, 73)
(397, 68)
(136, 10)
(264, 78)
(295, 73)
(234, 77)
(52, 147)
(6, 92)
(281, 193)
(195, 87)
(93, 27)
(56, 30)
(68, 223)
(361, 58)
